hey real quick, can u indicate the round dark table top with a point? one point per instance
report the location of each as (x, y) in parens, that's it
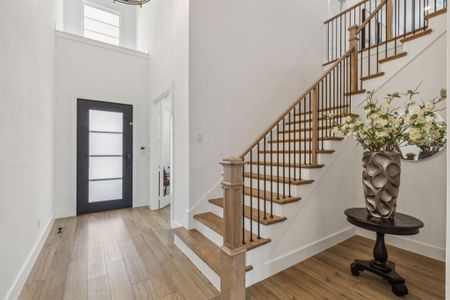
(401, 224)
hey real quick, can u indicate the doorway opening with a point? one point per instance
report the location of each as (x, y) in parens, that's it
(163, 160)
(104, 156)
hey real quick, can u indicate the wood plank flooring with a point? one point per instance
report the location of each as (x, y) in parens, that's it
(327, 276)
(129, 254)
(123, 254)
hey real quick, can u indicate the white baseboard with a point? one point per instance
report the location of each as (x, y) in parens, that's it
(408, 244)
(140, 203)
(64, 213)
(19, 282)
(199, 263)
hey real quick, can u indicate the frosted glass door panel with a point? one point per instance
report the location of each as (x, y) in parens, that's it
(105, 190)
(105, 121)
(105, 143)
(105, 167)
(105, 155)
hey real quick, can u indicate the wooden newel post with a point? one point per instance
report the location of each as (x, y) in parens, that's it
(389, 19)
(353, 46)
(232, 277)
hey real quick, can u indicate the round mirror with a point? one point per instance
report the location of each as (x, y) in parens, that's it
(431, 145)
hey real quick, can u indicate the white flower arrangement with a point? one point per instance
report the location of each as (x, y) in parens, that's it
(387, 127)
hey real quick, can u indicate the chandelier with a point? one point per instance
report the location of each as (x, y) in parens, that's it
(132, 2)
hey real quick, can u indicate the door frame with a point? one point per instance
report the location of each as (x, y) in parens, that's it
(156, 152)
(81, 207)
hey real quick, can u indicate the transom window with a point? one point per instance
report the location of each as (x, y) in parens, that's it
(101, 24)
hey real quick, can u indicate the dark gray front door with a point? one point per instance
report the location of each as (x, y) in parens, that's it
(104, 156)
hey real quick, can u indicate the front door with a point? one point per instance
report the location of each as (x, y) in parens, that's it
(104, 156)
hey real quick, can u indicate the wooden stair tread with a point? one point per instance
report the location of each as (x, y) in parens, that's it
(304, 129)
(325, 151)
(291, 165)
(253, 212)
(278, 179)
(436, 13)
(323, 118)
(216, 223)
(324, 109)
(326, 138)
(416, 35)
(279, 199)
(392, 57)
(203, 247)
(372, 76)
(355, 92)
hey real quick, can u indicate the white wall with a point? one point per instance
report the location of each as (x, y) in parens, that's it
(248, 61)
(423, 183)
(447, 265)
(93, 70)
(26, 132)
(163, 26)
(73, 18)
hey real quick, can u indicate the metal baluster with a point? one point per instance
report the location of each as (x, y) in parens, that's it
(310, 128)
(404, 18)
(258, 178)
(340, 36)
(320, 106)
(251, 195)
(289, 159)
(368, 51)
(328, 42)
(284, 159)
(265, 179)
(278, 159)
(271, 174)
(243, 206)
(295, 142)
(305, 115)
(396, 26)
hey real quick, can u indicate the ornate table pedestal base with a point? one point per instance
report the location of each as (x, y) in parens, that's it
(380, 266)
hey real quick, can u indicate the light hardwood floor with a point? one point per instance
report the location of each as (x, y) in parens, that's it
(327, 276)
(129, 254)
(123, 254)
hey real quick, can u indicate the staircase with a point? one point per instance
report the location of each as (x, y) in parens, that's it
(282, 165)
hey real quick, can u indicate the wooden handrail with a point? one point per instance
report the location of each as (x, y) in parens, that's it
(373, 14)
(272, 125)
(345, 11)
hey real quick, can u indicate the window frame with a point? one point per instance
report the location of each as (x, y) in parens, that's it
(106, 9)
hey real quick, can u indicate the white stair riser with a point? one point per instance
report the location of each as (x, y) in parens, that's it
(209, 233)
(303, 135)
(295, 189)
(264, 229)
(327, 144)
(277, 208)
(278, 171)
(289, 158)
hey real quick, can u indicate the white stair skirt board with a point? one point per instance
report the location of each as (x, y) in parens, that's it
(408, 244)
(199, 263)
(19, 282)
